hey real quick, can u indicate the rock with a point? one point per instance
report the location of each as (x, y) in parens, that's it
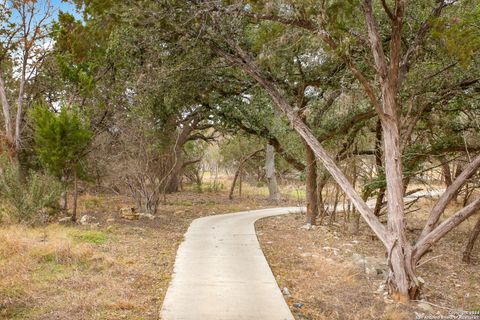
(373, 266)
(306, 254)
(425, 307)
(146, 216)
(285, 291)
(129, 213)
(65, 220)
(381, 288)
(86, 219)
(307, 226)
(298, 305)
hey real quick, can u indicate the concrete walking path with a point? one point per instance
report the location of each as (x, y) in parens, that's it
(221, 273)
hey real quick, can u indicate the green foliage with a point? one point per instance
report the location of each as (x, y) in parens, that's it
(26, 199)
(460, 35)
(61, 139)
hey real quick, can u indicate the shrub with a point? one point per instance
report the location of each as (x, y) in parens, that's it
(26, 199)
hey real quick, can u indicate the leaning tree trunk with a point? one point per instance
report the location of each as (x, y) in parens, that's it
(176, 173)
(471, 242)
(311, 186)
(274, 195)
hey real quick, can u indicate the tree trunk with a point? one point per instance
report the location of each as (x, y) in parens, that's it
(311, 186)
(402, 282)
(75, 196)
(64, 201)
(238, 173)
(234, 182)
(471, 242)
(322, 181)
(270, 173)
(176, 174)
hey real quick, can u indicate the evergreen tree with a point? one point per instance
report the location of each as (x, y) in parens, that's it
(61, 141)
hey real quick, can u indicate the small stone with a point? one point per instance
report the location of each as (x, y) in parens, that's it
(86, 219)
(381, 288)
(307, 226)
(298, 305)
(147, 216)
(285, 291)
(306, 254)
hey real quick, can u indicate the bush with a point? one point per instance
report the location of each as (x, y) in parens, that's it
(26, 199)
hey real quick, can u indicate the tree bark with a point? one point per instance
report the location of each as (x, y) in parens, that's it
(6, 114)
(177, 170)
(471, 242)
(311, 186)
(425, 243)
(378, 165)
(448, 195)
(75, 196)
(270, 173)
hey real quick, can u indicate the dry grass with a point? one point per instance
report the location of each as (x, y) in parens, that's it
(117, 270)
(331, 286)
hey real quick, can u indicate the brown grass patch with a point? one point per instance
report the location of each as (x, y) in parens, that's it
(330, 286)
(117, 270)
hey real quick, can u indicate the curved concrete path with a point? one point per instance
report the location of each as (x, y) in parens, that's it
(221, 273)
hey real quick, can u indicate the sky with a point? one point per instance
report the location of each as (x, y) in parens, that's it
(60, 5)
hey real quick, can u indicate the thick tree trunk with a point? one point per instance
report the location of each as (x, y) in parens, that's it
(471, 242)
(176, 174)
(402, 282)
(270, 173)
(311, 186)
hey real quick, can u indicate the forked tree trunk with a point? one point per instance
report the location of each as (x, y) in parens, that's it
(270, 173)
(311, 186)
(471, 242)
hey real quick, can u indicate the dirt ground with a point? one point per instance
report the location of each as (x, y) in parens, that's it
(324, 281)
(117, 269)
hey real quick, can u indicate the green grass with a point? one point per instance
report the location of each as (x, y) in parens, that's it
(88, 236)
